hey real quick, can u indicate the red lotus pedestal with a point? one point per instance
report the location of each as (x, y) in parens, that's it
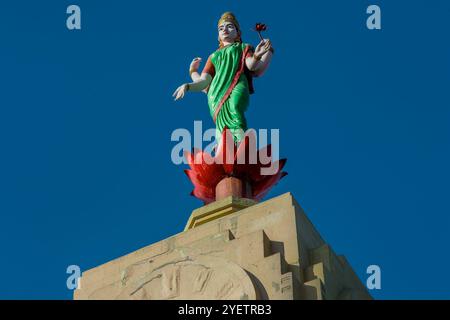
(234, 170)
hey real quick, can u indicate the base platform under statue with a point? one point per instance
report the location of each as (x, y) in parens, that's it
(233, 248)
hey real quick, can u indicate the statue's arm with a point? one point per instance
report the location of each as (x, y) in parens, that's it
(193, 69)
(195, 76)
(260, 60)
(263, 64)
(198, 85)
(200, 82)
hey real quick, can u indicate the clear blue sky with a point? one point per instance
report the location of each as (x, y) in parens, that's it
(86, 118)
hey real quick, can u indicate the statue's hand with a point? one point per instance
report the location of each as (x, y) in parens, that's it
(195, 64)
(263, 47)
(181, 90)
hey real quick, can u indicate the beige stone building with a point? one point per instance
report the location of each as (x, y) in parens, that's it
(231, 249)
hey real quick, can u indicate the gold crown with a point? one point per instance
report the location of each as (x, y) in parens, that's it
(228, 16)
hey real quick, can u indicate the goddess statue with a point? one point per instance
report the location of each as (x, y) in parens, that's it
(227, 76)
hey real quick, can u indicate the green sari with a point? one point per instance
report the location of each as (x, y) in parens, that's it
(228, 93)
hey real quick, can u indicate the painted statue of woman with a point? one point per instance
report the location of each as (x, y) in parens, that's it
(227, 76)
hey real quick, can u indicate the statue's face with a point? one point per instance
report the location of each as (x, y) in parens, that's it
(227, 32)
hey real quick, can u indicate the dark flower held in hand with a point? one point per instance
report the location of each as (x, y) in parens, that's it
(259, 28)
